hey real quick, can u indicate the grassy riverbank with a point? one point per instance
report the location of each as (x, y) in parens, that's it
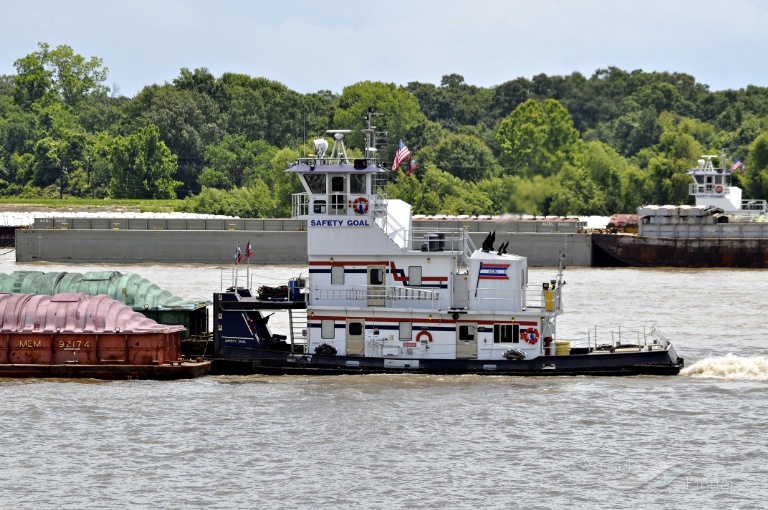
(85, 204)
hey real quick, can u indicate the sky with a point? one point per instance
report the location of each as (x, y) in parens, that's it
(312, 45)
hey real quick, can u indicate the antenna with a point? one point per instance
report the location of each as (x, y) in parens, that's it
(338, 144)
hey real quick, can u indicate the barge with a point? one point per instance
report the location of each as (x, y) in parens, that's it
(76, 335)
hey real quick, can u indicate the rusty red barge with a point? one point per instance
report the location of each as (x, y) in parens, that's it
(76, 335)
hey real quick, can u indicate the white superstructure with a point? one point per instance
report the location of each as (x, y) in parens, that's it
(378, 287)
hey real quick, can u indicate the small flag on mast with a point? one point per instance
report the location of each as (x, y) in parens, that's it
(412, 165)
(248, 250)
(736, 165)
(401, 155)
(238, 254)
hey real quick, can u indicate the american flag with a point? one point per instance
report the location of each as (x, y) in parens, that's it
(400, 156)
(248, 250)
(412, 165)
(736, 165)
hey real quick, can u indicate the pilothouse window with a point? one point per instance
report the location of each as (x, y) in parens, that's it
(357, 184)
(315, 183)
(337, 184)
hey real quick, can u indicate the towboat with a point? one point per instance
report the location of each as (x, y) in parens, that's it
(722, 229)
(382, 296)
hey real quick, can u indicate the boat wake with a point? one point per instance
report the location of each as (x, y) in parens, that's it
(730, 367)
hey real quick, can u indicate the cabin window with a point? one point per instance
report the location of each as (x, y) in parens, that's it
(376, 277)
(357, 184)
(355, 328)
(414, 275)
(319, 207)
(337, 184)
(315, 183)
(328, 328)
(467, 332)
(337, 275)
(406, 331)
(506, 333)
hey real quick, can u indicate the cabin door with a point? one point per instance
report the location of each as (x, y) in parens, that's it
(466, 340)
(355, 337)
(460, 291)
(338, 194)
(376, 290)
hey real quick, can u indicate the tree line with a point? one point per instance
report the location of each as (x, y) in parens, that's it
(554, 145)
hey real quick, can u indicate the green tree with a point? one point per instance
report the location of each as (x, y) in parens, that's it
(440, 192)
(756, 174)
(538, 138)
(236, 161)
(143, 166)
(260, 109)
(46, 75)
(463, 156)
(187, 122)
(399, 110)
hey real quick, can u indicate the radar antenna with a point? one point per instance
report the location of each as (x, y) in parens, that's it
(339, 149)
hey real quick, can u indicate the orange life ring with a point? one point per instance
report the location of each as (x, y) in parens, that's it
(718, 189)
(360, 205)
(531, 336)
(424, 333)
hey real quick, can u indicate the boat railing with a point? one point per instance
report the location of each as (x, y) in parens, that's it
(300, 205)
(423, 239)
(235, 278)
(469, 247)
(445, 239)
(758, 207)
(362, 295)
(624, 337)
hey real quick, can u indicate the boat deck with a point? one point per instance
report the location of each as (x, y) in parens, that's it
(111, 372)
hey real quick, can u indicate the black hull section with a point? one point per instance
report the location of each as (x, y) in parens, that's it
(247, 362)
(643, 251)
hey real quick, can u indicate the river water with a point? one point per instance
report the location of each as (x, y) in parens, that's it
(695, 440)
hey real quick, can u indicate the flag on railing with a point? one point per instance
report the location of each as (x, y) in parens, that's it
(412, 165)
(238, 254)
(401, 155)
(248, 250)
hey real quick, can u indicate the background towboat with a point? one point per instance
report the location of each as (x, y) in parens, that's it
(721, 230)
